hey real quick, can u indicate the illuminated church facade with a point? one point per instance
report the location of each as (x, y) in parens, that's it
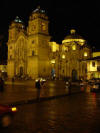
(31, 53)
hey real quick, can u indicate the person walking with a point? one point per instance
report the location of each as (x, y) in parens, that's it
(38, 86)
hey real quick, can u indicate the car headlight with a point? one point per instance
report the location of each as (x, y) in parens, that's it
(14, 109)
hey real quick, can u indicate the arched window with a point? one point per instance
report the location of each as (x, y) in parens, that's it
(93, 64)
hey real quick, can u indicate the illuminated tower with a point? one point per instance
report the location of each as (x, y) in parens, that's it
(28, 51)
(16, 49)
(38, 44)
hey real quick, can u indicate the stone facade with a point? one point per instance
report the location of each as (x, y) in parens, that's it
(28, 50)
(69, 60)
(31, 53)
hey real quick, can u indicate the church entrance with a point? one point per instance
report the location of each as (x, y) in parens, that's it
(74, 75)
(21, 71)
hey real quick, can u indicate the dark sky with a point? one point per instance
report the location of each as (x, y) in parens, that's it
(63, 15)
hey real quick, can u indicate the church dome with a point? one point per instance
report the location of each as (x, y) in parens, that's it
(74, 37)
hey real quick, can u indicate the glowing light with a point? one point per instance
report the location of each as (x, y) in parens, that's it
(53, 61)
(90, 66)
(14, 109)
(63, 56)
(95, 54)
(80, 41)
(54, 46)
(74, 47)
(72, 31)
(85, 54)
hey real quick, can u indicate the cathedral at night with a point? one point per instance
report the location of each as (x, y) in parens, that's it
(32, 54)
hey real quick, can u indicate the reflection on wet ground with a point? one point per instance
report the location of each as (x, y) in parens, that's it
(77, 113)
(15, 93)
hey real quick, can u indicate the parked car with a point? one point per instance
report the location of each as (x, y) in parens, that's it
(6, 115)
(95, 87)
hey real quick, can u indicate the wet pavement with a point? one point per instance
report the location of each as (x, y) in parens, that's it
(24, 91)
(75, 113)
(78, 113)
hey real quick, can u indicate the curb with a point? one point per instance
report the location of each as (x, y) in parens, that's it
(42, 99)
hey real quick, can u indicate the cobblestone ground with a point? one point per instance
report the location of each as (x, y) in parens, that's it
(77, 113)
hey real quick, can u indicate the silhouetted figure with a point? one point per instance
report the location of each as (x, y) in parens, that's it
(1, 85)
(69, 88)
(38, 86)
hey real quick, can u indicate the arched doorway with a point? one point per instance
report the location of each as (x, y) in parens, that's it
(74, 75)
(21, 71)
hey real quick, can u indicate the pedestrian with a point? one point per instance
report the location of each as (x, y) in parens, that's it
(1, 84)
(69, 88)
(38, 86)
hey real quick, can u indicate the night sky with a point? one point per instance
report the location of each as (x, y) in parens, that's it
(63, 15)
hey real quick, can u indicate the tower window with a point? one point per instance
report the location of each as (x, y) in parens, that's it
(93, 64)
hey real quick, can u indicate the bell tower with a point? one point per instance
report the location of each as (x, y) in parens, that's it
(38, 22)
(14, 29)
(38, 38)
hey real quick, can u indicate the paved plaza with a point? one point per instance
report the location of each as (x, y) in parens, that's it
(55, 112)
(19, 92)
